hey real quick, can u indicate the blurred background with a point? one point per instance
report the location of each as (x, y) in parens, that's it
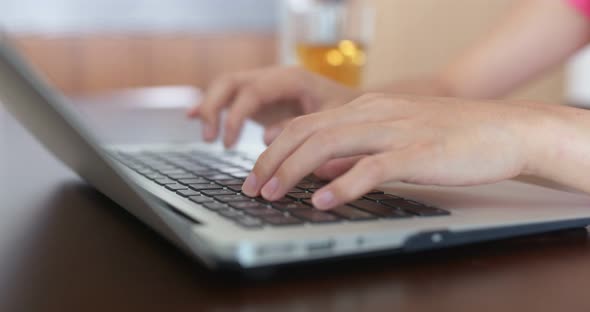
(88, 46)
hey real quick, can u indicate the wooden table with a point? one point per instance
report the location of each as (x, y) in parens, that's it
(65, 247)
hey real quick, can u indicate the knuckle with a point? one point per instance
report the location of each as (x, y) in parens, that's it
(324, 140)
(225, 80)
(250, 92)
(374, 167)
(373, 96)
(367, 99)
(298, 124)
(207, 111)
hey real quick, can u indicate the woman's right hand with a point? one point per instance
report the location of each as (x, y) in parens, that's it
(270, 96)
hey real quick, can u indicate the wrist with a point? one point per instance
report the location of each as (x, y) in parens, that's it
(541, 129)
(558, 147)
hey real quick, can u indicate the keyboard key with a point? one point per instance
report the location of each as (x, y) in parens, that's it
(203, 171)
(153, 176)
(247, 205)
(230, 182)
(201, 199)
(313, 178)
(216, 177)
(351, 213)
(175, 170)
(163, 167)
(310, 185)
(202, 186)
(235, 188)
(242, 174)
(249, 222)
(314, 215)
(282, 220)
(296, 190)
(298, 196)
(187, 193)
(426, 211)
(164, 181)
(290, 205)
(230, 170)
(399, 203)
(379, 209)
(232, 198)
(182, 176)
(380, 196)
(194, 181)
(145, 171)
(230, 213)
(195, 168)
(214, 205)
(175, 187)
(262, 211)
(218, 192)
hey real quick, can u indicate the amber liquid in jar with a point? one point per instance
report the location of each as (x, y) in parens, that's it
(342, 61)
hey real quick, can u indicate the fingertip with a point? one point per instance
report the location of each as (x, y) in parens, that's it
(270, 189)
(193, 112)
(231, 133)
(250, 186)
(228, 140)
(208, 132)
(324, 199)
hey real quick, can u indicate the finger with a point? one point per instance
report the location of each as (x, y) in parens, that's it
(272, 132)
(194, 111)
(270, 87)
(299, 130)
(245, 103)
(218, 96)
(319, 148)
(366, 175)
(336, 167)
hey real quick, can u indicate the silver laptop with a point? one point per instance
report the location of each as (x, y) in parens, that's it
(190, 194)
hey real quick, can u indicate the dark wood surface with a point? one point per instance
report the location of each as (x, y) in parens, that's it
(65, 247)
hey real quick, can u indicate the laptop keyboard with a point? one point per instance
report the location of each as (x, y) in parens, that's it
(215, 183)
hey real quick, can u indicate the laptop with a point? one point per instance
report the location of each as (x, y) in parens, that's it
(190, 194)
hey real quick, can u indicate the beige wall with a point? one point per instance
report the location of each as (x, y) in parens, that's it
(416, 37)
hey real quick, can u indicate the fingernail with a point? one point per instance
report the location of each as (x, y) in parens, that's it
(323, 200)
(270, 188)
(249, 186)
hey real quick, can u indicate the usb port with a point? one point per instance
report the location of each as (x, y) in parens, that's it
(320, 246)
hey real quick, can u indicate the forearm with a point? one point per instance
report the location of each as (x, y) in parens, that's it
(533, 38)
(559, 147)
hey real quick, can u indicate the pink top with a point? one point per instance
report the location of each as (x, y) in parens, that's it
(581, 5)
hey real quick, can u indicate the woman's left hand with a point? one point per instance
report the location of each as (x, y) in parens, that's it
(419, 140)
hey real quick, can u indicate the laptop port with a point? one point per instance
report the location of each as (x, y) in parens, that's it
(320, 246)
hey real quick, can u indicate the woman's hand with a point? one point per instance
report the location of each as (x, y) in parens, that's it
(270, 96)
(434, 141)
